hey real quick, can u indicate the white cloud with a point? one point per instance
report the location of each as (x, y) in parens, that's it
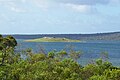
(85, 2)
(81, 8)
(16, 9)
(43, 4)
(23, 1)
(14, 5)
(6, 0)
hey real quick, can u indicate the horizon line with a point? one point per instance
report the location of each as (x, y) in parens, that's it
(57, 33)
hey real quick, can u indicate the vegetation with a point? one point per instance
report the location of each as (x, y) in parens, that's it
(55, 65)
(52, 39)
(7, 46)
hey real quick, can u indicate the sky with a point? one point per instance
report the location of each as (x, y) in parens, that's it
(59, 16)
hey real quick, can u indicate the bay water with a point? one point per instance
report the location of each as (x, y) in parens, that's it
(91, 50)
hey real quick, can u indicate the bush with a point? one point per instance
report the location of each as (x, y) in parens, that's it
(53, 66)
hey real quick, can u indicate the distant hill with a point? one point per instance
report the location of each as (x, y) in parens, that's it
(97, 36)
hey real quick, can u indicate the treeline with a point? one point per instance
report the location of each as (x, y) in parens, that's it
(97, 36)
(54, 65)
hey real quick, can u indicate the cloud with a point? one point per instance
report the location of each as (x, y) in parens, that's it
(80, 8)
(89, 2)
(87, 6)
(85, 2)
(17, 9)
(43, 4)
(114, 2)
(6, 0)
(23, 1)
(14, 5)
(83, 6)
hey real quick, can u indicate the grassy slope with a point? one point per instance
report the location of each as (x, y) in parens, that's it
(51, 39)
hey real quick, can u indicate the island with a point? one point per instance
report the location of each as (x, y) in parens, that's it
(52, 39)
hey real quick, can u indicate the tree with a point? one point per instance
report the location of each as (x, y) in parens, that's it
(7, 44)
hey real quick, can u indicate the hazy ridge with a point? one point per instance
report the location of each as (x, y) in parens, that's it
(97, 36)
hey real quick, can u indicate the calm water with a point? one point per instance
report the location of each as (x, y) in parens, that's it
(91, 50)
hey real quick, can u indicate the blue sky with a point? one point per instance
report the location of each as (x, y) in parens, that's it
(59, 16)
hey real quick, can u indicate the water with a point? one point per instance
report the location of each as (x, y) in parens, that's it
(91, 49)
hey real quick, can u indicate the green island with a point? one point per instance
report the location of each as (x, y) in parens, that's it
(52, 39)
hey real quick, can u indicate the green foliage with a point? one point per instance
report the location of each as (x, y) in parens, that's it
(51, 54)
(7, 46)
(52, 66)
(75, 55)
(62, 53)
